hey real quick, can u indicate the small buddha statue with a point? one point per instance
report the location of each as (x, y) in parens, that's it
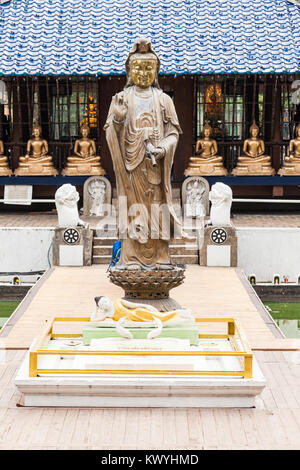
(291, 165)
(254, 161)
(208, 162)
(4, 168)
(84, 161)
(36, 161)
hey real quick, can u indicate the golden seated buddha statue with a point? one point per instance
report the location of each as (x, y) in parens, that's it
(291, 165)
(208, 162)
(84, 161)
(254, 161)
(4, 168)
(36, 161)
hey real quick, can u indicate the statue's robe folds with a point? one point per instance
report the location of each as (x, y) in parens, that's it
(146, 233)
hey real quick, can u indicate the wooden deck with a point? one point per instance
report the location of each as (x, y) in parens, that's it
(274, 424)
(208, 292)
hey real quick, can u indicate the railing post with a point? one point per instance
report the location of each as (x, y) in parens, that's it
(231, 328)
(32, 364)
(248, 366)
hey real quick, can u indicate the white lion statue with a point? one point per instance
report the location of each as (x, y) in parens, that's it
(221, 201)
(66, 198)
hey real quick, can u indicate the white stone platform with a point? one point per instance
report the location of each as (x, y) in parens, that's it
(139, 390)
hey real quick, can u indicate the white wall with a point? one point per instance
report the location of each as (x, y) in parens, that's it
(268, 251)
(261, 251)
(24, 250)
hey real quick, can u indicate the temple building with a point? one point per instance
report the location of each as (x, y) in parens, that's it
(226, 63)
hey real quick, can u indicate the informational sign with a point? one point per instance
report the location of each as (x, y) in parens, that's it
(18, 194)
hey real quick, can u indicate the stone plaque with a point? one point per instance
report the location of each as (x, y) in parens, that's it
(18, 194)
(72, 246)
(195, 201)
(97, 197)
(219, 246)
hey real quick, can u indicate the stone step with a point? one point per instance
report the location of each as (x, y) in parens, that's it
(102, 250)
(185, 259)
(177, 259)
(174, 250)
(107, 234)
(101, 259)
(182, 250)
(100, 241)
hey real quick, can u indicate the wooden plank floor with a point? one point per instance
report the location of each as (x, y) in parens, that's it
(208, 292)
(273, 424)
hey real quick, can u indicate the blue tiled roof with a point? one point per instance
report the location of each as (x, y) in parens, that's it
(190, 36)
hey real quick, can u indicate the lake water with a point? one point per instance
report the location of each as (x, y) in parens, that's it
(287, 317)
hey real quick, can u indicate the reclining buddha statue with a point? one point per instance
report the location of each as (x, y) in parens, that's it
(254, 161)
(291, 165)
(208, 162)
(84, 161)
(36, 161)
(4, 168)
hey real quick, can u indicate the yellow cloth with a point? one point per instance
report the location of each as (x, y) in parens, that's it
(141, 313)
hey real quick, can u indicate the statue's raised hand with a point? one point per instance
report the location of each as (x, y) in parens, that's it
(120, 108)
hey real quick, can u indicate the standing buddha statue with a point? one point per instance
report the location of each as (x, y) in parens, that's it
(36, 161)
(254, 161)
(84, 161)
(208, 162)
(4, 168)
(142, 131)
(291, 165)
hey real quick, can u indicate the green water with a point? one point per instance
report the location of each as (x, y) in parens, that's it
(286, 316)
(6, 309)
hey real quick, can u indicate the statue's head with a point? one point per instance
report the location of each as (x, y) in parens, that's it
(142, 65)
(207, 130)
(95, 187)
(67, 194)
(220, 193)
(104, 303)
(37, 130)
(254, 129)
(298, 131)
(85, 130)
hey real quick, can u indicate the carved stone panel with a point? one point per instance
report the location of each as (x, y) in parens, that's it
(96, 197)
(195, 201)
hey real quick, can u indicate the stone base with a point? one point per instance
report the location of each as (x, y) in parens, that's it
(36, 170)
(290, 171)
(258, 169)
(139, 390)
(84, 170)
(183, 332)
(148, 285)
(206, 170)
(78, 253)
(219, 247)
(5, 171)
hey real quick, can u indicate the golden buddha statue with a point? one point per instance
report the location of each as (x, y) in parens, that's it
(254, 161)
(36, 161)
(84, 161)
(208, 162)
(4, 168)
(291, 165)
